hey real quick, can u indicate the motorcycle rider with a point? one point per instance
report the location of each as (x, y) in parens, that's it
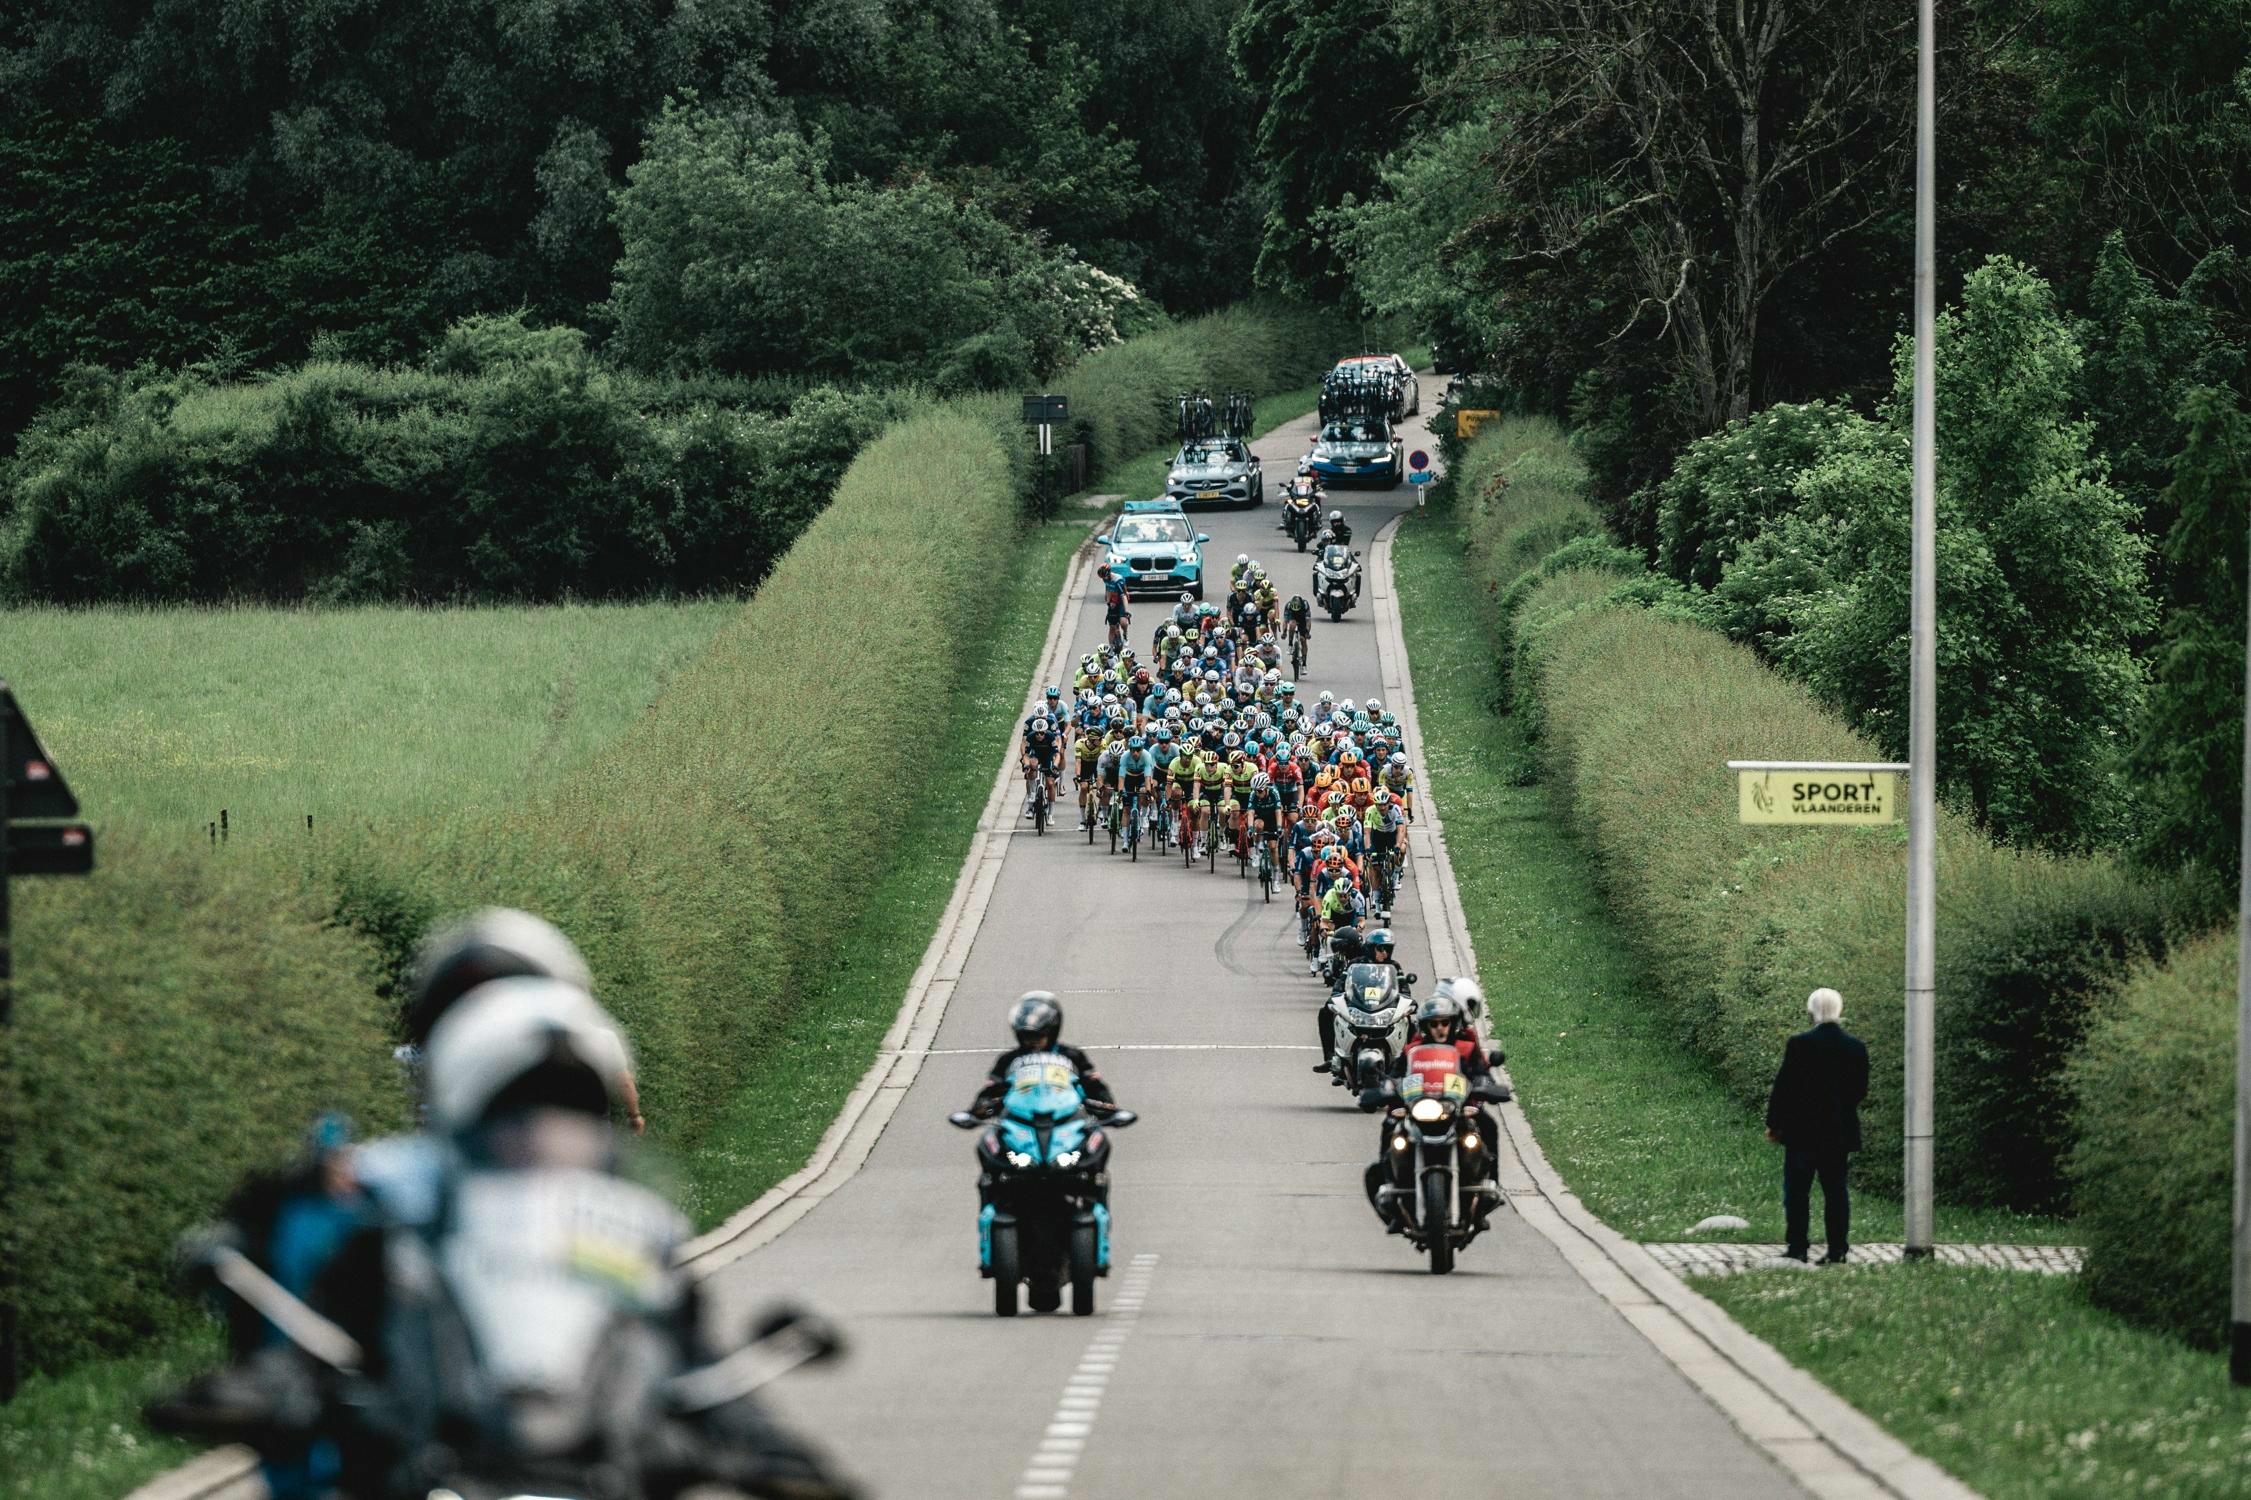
(1338, 531)
(1381, 945)
(1037, 1020)
(1344, 945)
(1440, 1021)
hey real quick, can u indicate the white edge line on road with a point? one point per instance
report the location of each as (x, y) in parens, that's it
(1824, 1443)
(230, 1473)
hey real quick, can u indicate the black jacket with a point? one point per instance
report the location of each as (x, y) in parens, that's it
(996, 1080)
(1815, 1103)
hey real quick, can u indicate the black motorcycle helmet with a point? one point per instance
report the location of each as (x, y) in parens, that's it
(1036, 1019)
(1380, 943)
(1440, 1008)
(1345, 942)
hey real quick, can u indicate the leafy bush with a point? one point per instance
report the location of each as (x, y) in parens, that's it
(1738, 923)
(2154, 1089)
(1724, 489)
(516, 468)
(145, 1076)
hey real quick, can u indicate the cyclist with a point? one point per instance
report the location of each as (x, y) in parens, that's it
(1110, 772)
(1297, 629)
(1043, 757)
(1088, 747)
(1386, 832)
(1115, 615)
(1136, 769)
(1399, 780)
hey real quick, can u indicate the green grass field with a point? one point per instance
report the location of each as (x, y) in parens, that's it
(2011, 1381)
(169, 715)
(78, 1436)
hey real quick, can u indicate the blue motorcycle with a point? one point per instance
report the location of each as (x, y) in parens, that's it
(1045, 1160)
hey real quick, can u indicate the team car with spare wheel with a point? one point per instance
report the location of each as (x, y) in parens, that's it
(1155, 551)
(1357, 451)
(1216, 471)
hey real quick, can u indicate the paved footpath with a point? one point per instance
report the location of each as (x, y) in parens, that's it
(1693, 1259)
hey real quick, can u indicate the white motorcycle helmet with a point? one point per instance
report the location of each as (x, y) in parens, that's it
(496, 942)
(1468, 992)
(519, 1043)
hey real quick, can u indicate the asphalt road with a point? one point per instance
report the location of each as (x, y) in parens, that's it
(1261, 1334)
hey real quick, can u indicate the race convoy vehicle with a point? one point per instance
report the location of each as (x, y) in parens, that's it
(1151, 549)
(1358, 451)
(1216, 471)
(1406, 390)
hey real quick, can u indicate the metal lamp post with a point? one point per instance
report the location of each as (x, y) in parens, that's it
(1922, 695)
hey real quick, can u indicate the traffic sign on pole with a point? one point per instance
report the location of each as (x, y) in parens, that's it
(1418, 460)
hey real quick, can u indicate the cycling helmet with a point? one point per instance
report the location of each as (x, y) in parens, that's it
(1211, 653)
(1234, 741)
(1398, 760)
(1438, 1008)
(1289, 689)
(1381, 937)
(1137, 743)
(1211, 675)
(1347, 709)
(1261, 781)
(1380, 797)
(1372, 706)
(1188, 597)
(1172, 711)
(1037, 1019)
(521, 1044)
(497, 942)
(1039, 724)
(1242, 559)
(1390, 720)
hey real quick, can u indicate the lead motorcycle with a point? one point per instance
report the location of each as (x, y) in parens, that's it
(1336, 579)
(1301, 512)
(542, 1343)
(1433, 1158)
(1046, 1158)
(1371, 1015)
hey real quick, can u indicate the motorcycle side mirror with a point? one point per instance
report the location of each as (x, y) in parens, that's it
(813, 1337)
(962, 1119)
(1120, 1119)
(1496, 1057)
(1203, 536)
(1412, 979)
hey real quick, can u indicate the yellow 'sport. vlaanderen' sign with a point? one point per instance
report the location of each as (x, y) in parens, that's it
(1854, 795)
(1469, 418)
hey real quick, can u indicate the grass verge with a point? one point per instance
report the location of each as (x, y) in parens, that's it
(2011, 1381)
(791, 1094)
(78, 1435)
(1642, 1129)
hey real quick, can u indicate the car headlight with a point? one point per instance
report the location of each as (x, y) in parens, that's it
(1019, 1158)
(1428, 1111)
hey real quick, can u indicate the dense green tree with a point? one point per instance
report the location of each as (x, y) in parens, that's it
(1330, 88)
(2190, 755)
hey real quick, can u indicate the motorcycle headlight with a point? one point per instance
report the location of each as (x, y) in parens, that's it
(1471, 1140)
(1399, 1143)
(1066, 1158)
(1362, 1018)
(1428, 1111)
(1019, 1158)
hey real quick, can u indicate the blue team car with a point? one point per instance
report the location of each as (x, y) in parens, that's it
(1153, 548)
(1357, 451)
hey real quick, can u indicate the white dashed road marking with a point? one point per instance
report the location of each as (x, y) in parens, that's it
(1048, 1475)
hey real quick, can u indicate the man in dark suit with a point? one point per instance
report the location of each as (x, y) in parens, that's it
(1813, 1112)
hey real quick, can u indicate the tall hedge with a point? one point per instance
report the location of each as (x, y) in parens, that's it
(181, 1016)
(1639, 710)
(2152, 1168)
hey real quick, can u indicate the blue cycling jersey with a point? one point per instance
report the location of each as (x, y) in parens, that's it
(1138, 763)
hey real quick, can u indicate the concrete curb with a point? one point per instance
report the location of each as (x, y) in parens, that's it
(231, 1473)
(1824, 1443)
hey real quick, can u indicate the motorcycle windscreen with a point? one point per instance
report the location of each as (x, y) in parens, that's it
(1043, 1086)
(1337, 559)
(541, 1264)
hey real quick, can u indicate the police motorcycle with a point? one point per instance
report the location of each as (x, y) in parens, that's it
(535, 1337)
(1372, 1019)
(1301, 511)
(1336, 579)
(1432, 1169)
(1047, 1156)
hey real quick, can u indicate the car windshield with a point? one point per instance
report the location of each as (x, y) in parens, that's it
(1350, 432)
(1140, 531)
(1210, 453)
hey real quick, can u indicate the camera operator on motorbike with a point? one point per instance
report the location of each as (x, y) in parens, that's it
(1338, 531)
(1344, 948)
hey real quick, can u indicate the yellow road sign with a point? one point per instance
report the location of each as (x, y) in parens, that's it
(1847, 795)
(1469, 419)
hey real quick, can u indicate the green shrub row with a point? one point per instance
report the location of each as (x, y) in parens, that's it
(179, 1018)
(514, 467)
(1639, 710)
(2154, 1087)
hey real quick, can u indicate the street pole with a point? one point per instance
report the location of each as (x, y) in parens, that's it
(2239, 1335)
(10, 1359)
(1922, 691)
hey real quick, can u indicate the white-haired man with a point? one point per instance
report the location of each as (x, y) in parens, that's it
(1813, 1113)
